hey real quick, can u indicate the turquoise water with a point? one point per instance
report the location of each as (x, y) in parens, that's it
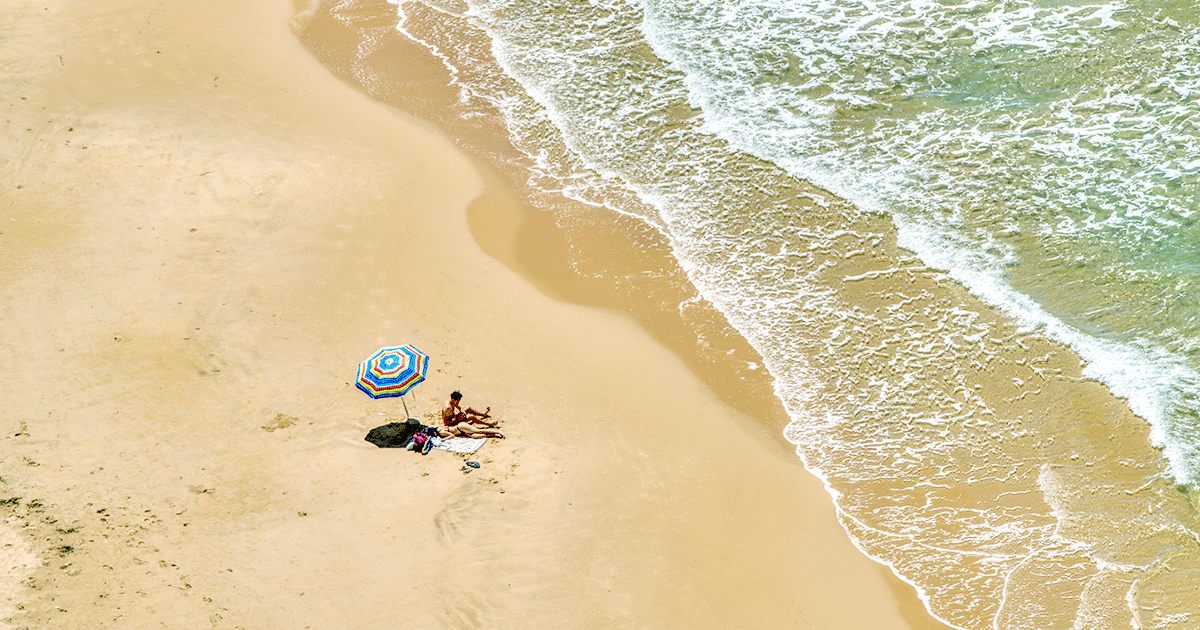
(1044, 155)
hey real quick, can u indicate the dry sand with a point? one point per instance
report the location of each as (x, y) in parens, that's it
(202, 231)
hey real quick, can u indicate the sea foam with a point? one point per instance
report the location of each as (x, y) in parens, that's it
(978, 134)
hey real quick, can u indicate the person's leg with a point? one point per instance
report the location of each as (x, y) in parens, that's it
(467, 430)
(491, 432)
(481, 417)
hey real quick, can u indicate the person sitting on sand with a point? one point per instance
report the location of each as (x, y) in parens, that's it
(453, 414)
(468, 430)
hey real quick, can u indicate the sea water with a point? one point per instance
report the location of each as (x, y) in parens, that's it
(1043, 155)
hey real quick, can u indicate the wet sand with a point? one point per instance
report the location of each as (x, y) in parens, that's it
(204, 231)
(1041, 475)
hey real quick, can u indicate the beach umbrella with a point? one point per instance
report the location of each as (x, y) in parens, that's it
(392, 371)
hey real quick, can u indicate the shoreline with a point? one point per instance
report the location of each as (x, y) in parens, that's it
(1035, 388)
(565, 248)
(571, 251)
(207, 235)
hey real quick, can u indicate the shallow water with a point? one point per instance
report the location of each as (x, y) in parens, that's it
(1045, 154)
(1041, 155)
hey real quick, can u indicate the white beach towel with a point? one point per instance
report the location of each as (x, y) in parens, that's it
(459, 444)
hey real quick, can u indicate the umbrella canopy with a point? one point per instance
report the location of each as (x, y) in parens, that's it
(392, 371)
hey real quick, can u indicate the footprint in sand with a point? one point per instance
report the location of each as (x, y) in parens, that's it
(281, 421)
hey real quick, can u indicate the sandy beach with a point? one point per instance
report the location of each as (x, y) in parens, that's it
(204, 230)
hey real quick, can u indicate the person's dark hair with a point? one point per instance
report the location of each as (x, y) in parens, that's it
(456, 395)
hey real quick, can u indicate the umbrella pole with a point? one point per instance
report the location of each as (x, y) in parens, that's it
(405, 406)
